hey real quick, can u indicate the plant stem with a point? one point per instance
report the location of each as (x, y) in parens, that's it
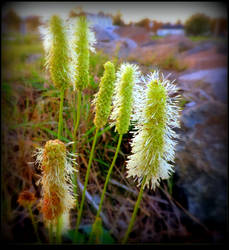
(58, 229)
(74, 139)
(50, 233)
(106, 183)
(34, 223)
(60, 124)
(77, 118)
(135, 212)
(86, 181)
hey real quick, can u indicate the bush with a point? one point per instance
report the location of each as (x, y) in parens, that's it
(198, 24)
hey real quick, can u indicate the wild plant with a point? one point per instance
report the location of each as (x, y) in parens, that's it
(102, 102)
(127, 76)
(55, 41)
(153, 145)
(82, 41)
(55, 163)
(58, 54)
(122, 97)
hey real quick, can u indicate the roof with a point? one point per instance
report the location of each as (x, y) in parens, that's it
(170, 26)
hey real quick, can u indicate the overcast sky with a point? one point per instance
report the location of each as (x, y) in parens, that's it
(131, 11)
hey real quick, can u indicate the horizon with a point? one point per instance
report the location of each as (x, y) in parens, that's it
(159, 11)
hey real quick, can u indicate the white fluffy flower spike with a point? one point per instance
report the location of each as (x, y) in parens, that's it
(57, 51)
(126, 79)
(153, 145)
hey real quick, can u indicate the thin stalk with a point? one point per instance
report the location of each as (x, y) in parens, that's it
(134, 213)
(60, 124)
(51, 233)
(60, 130)
(86, 181)
(106, 183)
(76, 120)
(34, 223)
(58, 229)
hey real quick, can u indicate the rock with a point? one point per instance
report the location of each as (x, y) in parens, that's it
(202, 161)
(138, 34)
(198, 59)
(109, 41)
(104, 35)
(200, 47)
(215, 78)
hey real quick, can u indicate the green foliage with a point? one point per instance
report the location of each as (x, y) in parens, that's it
(104, 237)
(144, 23)
(198, 24)
(117, 19)
(155, 37)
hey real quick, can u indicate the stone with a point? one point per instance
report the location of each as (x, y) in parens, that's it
(202, 159)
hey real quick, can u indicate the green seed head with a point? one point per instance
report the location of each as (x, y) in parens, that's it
(57, 58)
(82, 44)
(127, 76)
(153, 145)
(103, 98)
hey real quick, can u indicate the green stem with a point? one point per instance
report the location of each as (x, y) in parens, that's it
(51, 233)
(77, 119)
(60, 124)
(135, 212)
(58, 229)
(85, 182)
(106, 183)
(74, 139)
(34, 223)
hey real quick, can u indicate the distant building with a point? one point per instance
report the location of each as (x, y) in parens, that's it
(169, 29)
(101, 20)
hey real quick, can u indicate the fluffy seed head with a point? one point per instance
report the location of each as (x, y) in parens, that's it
(153, 145)
(127, 77)
(103, 98)
(82, 40)
(57, 188)
(57, 51)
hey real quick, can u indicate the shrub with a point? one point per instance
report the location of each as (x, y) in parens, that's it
(198, 24)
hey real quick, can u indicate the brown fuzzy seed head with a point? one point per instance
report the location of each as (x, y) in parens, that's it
(26, 198)
(51, 207)
(54, 154)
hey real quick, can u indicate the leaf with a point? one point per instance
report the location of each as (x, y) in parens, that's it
(106, 238)
(55, 134)
(70, 234)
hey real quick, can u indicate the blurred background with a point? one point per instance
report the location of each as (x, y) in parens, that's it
(186, 39)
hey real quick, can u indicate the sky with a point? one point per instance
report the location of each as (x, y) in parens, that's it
(131, 11)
